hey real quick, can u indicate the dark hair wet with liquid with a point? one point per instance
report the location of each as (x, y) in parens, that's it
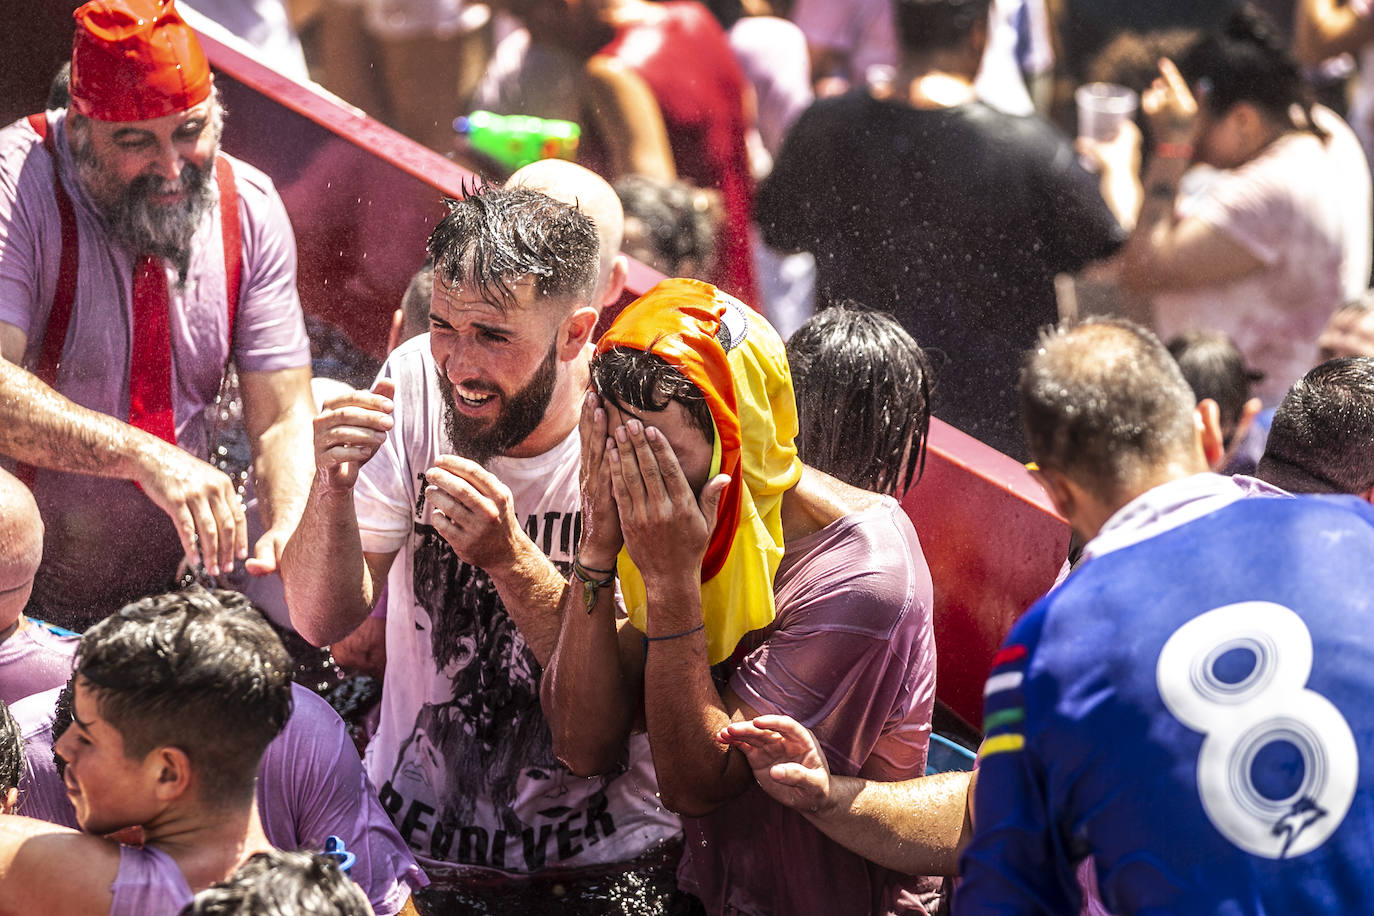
(282, 883)
(863, 398)
(642, 381)
(494, 237)
(198, 670)
(11, 751)
(1103, 400)
(1248, 61)
(1322, 437)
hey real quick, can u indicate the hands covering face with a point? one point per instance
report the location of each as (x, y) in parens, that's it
(635, 493)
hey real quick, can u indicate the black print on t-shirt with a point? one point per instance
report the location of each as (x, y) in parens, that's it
(490, 740)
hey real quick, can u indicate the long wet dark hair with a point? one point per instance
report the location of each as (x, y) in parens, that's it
(863, 398)
(1247, 61)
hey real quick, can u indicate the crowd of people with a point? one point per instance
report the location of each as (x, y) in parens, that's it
(653, 630)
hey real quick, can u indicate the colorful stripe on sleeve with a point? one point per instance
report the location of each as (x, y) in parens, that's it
(1005, 710)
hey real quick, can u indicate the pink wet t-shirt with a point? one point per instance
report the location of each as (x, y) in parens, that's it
(851, 656)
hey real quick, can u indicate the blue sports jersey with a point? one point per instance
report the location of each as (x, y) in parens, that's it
(1195, 711)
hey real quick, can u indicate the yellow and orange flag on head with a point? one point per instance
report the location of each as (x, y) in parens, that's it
(738, 361)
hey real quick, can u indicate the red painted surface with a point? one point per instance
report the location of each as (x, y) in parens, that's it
(994, 545)
(362, 199)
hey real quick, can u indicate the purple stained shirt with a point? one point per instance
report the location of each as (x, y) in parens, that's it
(311, 786)
(851, 655)
(149, 883)
(32, 660)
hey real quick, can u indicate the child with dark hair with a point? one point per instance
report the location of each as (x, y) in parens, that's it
(176, 697)
(1216, 372)
(282, 884)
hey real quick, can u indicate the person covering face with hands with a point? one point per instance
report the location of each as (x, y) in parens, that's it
(809, 598)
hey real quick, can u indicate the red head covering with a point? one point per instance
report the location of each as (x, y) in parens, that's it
(134, 60)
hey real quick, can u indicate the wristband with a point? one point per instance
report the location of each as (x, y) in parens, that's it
(1174, 150)
(591, 584)
(1162, 191)
(577, 561)
(696, 629)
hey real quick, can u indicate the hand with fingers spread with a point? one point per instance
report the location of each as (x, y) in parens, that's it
(474, 512)
(601, 537)
(666, 526)
(202, 502)
(786, 759)
(348, 432)
(1170, 106)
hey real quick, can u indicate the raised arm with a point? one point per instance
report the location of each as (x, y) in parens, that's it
(278, 409)
(591, 686)
(916, 826)
(331, 587)
(40, 427)
(1163, 252)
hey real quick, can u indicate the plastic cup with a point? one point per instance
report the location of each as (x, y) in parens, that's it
(1102, 107)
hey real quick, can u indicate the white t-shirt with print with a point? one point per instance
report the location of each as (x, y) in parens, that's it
(463, 757)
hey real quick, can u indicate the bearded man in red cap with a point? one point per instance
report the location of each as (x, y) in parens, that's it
(137, 260)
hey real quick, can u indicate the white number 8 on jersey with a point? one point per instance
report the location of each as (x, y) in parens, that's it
(1246, 712)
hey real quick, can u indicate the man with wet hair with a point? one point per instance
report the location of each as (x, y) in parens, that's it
(282, 884)
(136, 261)
(1322, 437)
(33, 657)
(176, 698)
(810, 596)
(1210, 650)
(863, 398)
(454, 482)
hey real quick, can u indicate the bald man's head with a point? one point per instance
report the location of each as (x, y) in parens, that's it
(21, 547)
(572, 184)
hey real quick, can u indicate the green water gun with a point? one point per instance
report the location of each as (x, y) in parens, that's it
(517, 140)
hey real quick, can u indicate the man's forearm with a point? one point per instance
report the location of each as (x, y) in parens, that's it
(40, 427)
(283, 468)
(278, 410)
(683, 710)
(918, 826)
(585, 693)
(329, 588)
(1150, 238)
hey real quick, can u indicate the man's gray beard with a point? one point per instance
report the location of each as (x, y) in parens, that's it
(143, 227)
